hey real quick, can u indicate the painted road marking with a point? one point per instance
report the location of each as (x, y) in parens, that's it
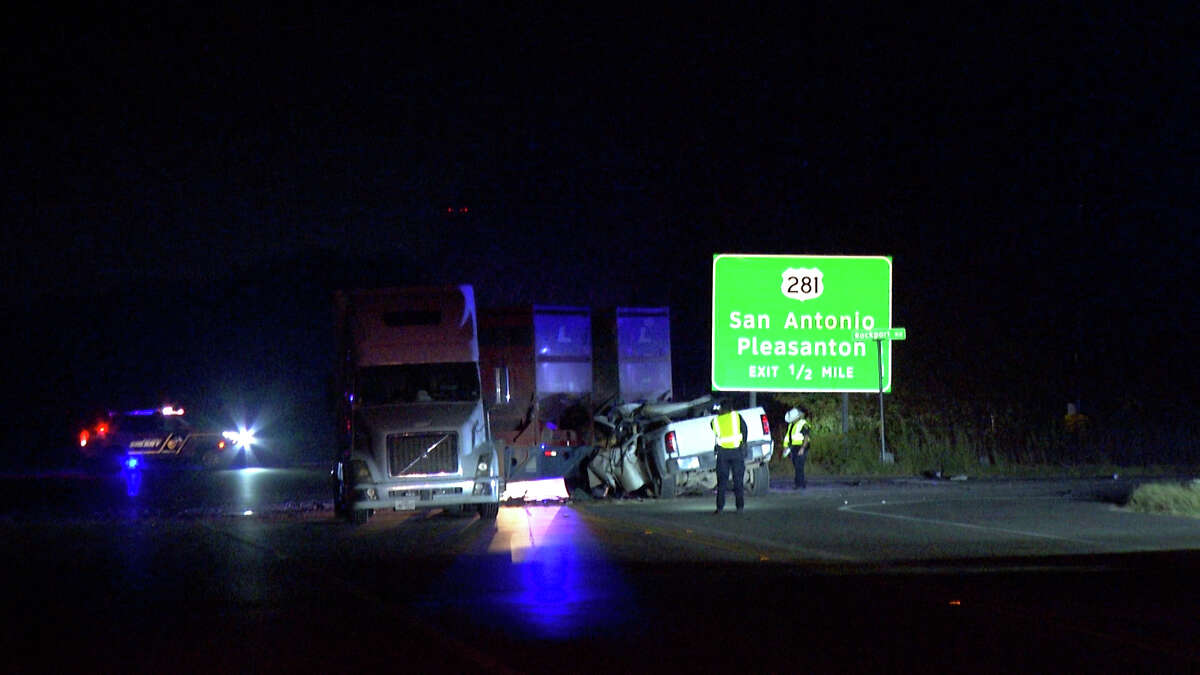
(858, 509)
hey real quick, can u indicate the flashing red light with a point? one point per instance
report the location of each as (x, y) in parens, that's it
(221, 444)
(83, 438)
(766, 425)
(101, 430)
(669, 440)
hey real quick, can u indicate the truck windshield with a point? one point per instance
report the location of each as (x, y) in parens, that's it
(416, 383)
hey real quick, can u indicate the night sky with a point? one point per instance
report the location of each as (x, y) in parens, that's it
(183, 187)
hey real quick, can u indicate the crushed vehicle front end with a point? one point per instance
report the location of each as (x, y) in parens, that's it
(668, 448)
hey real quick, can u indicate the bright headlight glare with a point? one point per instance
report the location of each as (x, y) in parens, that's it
(243, 438)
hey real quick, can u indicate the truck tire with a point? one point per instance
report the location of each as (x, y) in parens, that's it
(489, 511)
(760, 480)
(667, 487)
(341, 509)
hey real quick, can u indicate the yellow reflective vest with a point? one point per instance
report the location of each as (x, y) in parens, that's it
(728, 429)
(796, 434)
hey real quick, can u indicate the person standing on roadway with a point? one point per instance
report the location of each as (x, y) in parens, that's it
(729, 430)
(795, 443)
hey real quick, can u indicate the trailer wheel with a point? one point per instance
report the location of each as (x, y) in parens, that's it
(361, 516)
(489, 511)
(667, 488)
(760, 480)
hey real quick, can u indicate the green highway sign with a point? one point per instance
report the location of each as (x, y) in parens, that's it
(802, 323)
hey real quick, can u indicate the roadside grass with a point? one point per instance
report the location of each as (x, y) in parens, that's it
(1167, 498)
(926, 438)
(858, 454)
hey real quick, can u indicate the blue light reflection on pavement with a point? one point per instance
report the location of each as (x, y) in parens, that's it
(543, 576)
(131, 472)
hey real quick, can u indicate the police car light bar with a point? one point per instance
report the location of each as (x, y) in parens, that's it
(146, 412)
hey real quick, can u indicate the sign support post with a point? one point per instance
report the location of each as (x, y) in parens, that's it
(883, 453)
(885, 457)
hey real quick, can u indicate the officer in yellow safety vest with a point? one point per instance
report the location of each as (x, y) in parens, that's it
(795, 443)
(729, 430)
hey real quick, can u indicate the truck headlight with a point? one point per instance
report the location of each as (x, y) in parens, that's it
(359, 471)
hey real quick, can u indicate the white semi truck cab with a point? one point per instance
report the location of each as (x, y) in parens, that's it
(413, 431)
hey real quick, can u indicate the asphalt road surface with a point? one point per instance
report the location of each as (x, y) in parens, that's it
(248, 571)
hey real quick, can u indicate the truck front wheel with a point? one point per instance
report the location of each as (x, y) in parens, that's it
(489, 511)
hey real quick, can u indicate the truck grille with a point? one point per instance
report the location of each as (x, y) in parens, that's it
(405, 449)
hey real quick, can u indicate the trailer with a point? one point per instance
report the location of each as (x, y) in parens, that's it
(538, 374)
(549, 370)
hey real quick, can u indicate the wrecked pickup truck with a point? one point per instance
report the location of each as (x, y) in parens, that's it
(666, 449)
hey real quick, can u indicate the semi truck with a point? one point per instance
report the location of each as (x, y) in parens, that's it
(412, 427)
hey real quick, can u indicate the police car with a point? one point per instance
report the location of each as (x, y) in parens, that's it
(157, 433)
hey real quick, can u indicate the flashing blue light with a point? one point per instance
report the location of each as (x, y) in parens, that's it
(131, 462)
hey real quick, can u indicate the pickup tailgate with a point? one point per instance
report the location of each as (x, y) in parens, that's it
(695, 436)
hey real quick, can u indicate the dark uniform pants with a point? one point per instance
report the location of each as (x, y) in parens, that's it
(798, 464)
(731, 462)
